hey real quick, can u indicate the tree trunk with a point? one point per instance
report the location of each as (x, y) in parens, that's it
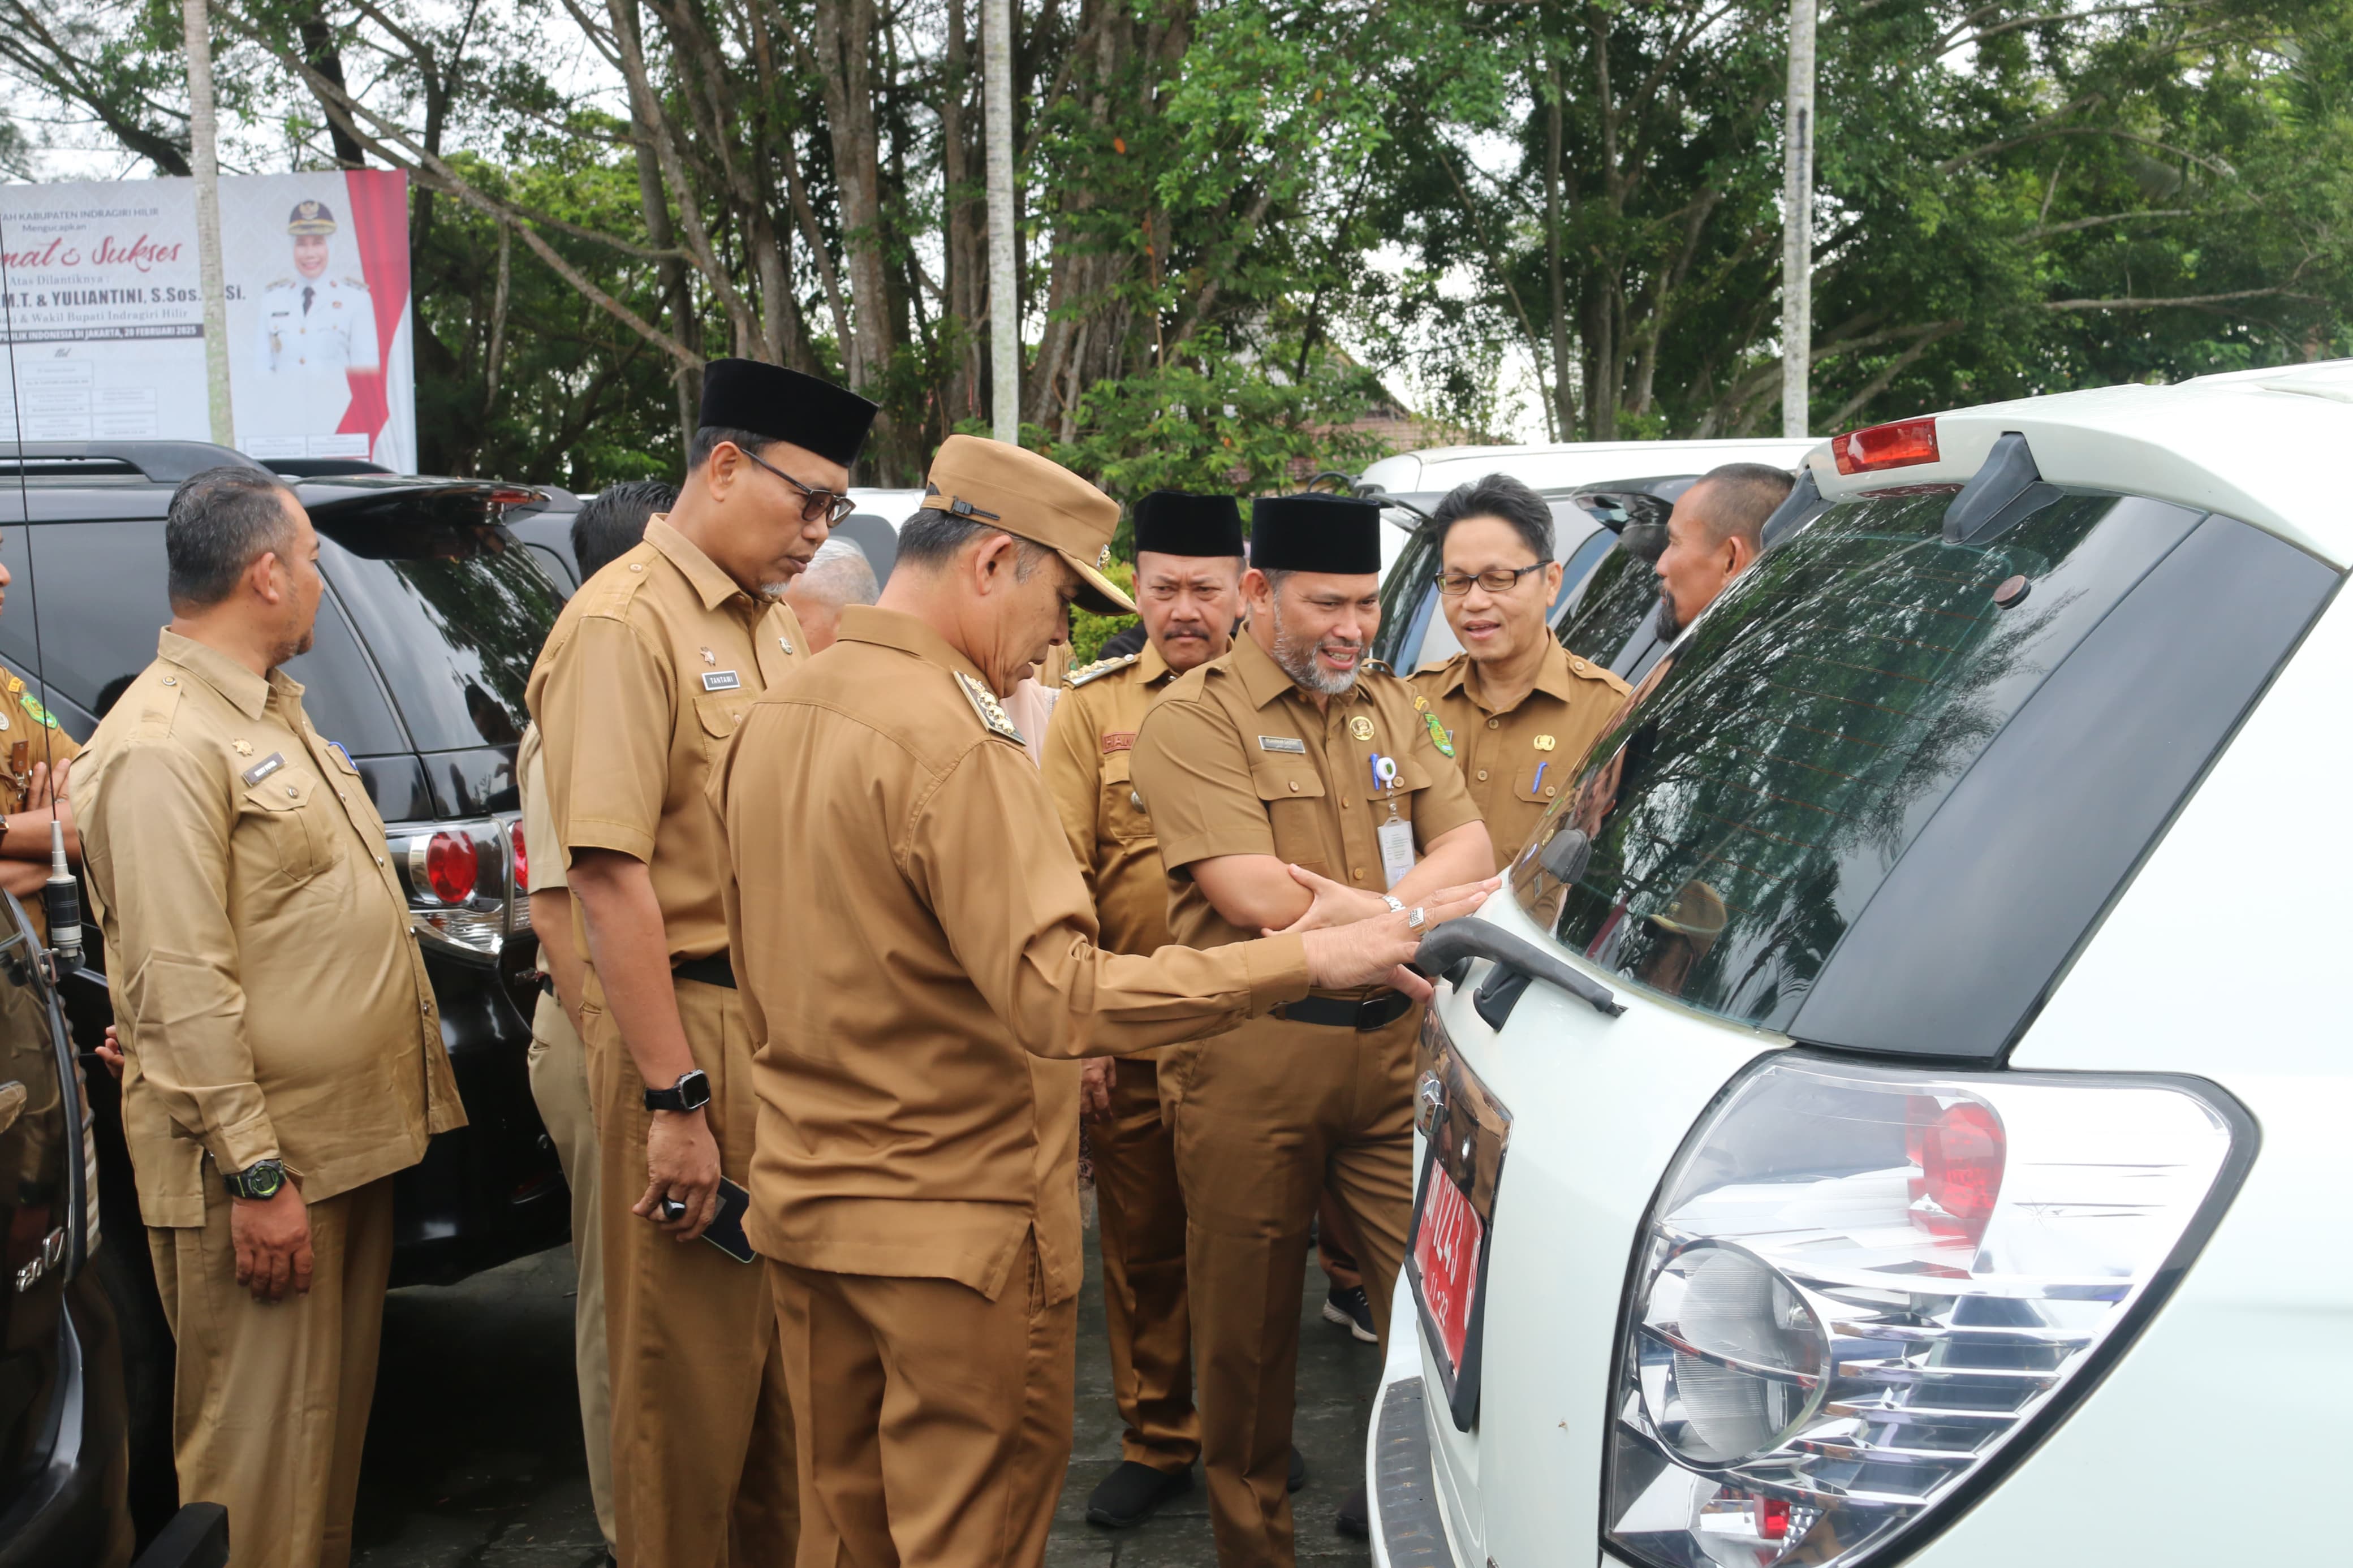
(965, 266)
(1563, 418)
(845, 41)
(203, 131)
(319, 49)
(1004, 286)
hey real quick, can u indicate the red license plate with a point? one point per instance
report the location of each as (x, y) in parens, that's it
(1445, 1247)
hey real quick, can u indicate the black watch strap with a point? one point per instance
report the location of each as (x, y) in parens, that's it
(258, 1181)
(691, 1092)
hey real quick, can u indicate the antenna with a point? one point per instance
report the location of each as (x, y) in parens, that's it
(60, 895)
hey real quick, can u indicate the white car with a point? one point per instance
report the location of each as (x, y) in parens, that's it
(1892, 1113)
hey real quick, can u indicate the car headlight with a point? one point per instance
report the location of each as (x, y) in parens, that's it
(1862, 1291)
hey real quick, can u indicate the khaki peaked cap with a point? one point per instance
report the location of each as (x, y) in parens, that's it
(1035, 499)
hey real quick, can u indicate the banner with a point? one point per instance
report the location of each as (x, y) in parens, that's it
(105, 325)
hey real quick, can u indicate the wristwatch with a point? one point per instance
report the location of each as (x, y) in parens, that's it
(691, 1092)
(258, 1181)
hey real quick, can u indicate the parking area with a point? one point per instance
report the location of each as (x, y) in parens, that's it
(474, 1456)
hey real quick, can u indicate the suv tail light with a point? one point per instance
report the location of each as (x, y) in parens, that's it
(1903, 444)
(464, 881)
(1862, 1292)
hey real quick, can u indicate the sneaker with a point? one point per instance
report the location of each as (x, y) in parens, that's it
(1355, 1519)
(1298, 1470)
(1353, 1311)
(1128, 1495)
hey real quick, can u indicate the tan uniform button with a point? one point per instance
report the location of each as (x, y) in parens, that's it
(1483, 776)
(1344, 802)
(1358, 873)
(1294, 786)
(171, 681)
(1495, 723)
(1551, 790)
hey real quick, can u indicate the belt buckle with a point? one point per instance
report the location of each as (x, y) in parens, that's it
(1372, 1012)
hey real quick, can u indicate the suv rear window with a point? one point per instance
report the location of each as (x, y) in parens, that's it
(1723, 840)
(100, 591)
(454, 609)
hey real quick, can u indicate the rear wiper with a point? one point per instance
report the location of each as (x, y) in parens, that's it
(1454, 945)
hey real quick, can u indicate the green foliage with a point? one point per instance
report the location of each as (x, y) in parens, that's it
(1089, 631)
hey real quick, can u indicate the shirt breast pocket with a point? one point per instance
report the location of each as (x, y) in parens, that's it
(1411, 779)
(1126, 814)
(288, 832)
(716, 718)
(1539, 781)
(1294, 796)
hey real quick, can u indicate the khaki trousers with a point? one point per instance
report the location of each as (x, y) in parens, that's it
(1269, 1117)
(559, 1087)
(1333, 1249)
(1141, 1211)
(935, 1423)
(269, 1400)
(703, 1432)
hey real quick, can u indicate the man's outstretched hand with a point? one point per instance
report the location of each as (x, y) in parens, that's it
(1364, 951)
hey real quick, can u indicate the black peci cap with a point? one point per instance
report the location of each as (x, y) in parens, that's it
(1315, 533)
(1176, 523)
(785, 405)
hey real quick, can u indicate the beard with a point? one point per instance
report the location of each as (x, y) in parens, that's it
(1668, 625)
(1297, 657)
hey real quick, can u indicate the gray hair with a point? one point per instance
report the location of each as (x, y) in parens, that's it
(219, 521)
(839, 573)
(931, 538)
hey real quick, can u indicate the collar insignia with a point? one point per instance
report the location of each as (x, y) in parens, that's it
(242, 748)
(992, 713)
(709, 657)
(1100, 668)
(1545, 743)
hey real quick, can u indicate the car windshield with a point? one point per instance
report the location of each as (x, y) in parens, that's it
(453, 609)
(1722, 839)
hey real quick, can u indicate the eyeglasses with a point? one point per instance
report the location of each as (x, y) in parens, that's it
(1501, 580)
(815, 503)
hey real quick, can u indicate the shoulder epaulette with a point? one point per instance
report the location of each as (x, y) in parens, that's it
(992, 713)
(358, 283)
(279, 283)
(1098, 669)
(1378, 667)
(619, 582)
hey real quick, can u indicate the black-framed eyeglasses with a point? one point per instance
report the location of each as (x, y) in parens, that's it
(1501, 580)
(815, 503)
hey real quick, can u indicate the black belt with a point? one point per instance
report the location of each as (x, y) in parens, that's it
(547, 985)
(1372, 1012)
(713, 971)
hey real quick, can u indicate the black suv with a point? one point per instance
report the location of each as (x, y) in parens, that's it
(432, 616)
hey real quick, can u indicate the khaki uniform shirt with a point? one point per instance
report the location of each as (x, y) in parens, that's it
(29, 736)
(913, 938)
(1234, 759)
(542, 847)
(641, 684)
(271, 998)
(1519, 761)
(1086, 765)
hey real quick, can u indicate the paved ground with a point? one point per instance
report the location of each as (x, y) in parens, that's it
(474, 1460)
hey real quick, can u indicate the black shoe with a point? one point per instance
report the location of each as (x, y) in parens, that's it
(1298, 1470)
(1355, 1519)
(1353, 1311)
(1128, 1495)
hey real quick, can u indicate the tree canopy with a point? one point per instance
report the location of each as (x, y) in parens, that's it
(1246, 226)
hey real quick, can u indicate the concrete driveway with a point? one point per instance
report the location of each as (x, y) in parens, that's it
(474, 1455)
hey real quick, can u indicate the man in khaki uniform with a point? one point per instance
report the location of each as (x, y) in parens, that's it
(611, 523)
(283, 1057)
(1515, 710)
(1289, 751)
(637, 691)
(1188, 570)
(917, 944)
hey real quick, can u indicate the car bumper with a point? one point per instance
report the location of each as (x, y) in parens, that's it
(1407, 1524)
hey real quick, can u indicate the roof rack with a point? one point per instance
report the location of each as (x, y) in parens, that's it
(164, 462)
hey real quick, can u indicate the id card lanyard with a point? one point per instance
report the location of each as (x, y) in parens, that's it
(1394, 835)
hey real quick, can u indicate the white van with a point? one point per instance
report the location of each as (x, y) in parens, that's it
(1891, 1111)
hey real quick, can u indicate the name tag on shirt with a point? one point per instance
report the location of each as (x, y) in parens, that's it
(1290, 743)
(722, 680)
(1396, 836)
(264, 768)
